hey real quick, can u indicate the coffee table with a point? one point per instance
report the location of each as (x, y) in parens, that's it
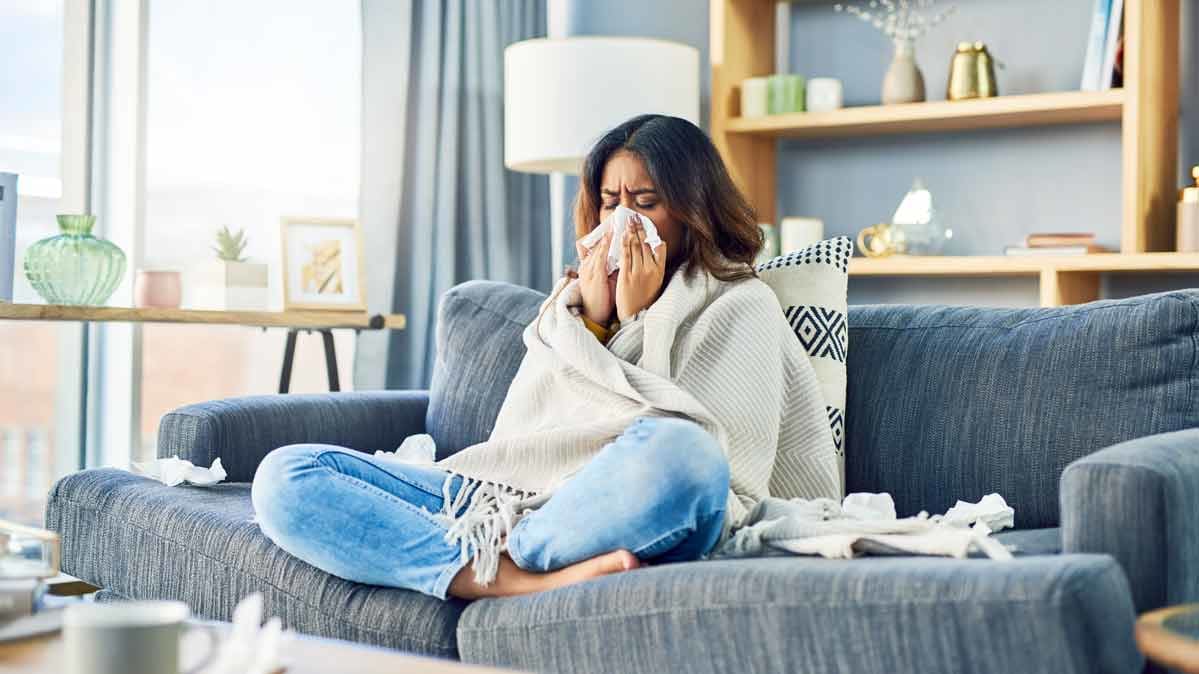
(300, 654)
(1170, 637)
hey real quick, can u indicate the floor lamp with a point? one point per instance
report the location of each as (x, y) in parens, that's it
(561, 95)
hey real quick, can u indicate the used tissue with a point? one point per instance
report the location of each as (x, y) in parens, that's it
(417, 449)
(250, 647)
(992, 511)
(174, 470)
(618, 222)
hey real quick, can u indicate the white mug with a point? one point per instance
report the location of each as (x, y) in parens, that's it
(824, 94)
(139, 637)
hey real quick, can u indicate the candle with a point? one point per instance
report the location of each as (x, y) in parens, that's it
(753, 97)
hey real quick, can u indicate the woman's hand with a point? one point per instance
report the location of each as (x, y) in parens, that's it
(593, 281)
(641, 271)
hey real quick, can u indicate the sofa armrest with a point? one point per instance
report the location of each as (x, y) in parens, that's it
(241, 431)
(1139, 502)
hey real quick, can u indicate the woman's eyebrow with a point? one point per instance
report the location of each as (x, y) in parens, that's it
(615, 193)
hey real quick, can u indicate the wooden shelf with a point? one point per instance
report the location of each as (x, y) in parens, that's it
(268, 319)
(1001, 265)
(1067, 107)
(1061, 279)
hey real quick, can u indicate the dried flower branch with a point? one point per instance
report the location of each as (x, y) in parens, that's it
(899, 19)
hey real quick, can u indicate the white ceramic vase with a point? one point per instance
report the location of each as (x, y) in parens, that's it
(903, 82)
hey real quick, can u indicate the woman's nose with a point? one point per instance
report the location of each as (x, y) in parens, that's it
(627, 200)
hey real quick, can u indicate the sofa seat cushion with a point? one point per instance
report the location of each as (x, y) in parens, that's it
(140, 539)
(1057, 613)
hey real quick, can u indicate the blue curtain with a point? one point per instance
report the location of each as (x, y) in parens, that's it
(458, 214)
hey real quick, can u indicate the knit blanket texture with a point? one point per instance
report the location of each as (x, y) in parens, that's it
(720, 354)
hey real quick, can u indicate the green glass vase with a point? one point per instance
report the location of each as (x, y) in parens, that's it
(74, 267)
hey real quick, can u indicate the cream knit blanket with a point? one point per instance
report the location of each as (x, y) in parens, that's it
(720, 354)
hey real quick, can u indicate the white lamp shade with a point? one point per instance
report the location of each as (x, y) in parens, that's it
(561, 95)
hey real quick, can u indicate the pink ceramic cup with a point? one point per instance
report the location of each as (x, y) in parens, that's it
(157, 288)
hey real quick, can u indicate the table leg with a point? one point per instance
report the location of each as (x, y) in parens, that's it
(331, 360)
(289, 357)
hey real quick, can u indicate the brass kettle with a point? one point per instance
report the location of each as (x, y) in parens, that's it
(971, 73)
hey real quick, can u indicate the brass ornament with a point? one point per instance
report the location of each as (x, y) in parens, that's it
(971, 73)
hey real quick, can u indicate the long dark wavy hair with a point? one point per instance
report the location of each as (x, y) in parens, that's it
(720, 230)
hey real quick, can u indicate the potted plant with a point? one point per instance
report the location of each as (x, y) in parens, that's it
(230, 282)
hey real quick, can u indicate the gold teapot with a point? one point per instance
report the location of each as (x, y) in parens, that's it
(971, 73)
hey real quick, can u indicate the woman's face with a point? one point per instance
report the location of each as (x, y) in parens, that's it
(625, 181)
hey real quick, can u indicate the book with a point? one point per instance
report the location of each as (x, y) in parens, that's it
(1115, 29)
(1118, 75)
(8, 233)
(1059, 239)
(1096, 41)
(1053, 250)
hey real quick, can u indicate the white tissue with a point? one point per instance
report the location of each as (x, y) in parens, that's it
(174, 470)
(419, 449)
(618, 222)
(250, 647)
(992, 511)
(867, 506)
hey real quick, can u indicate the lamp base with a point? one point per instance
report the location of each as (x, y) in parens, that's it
(557, 225)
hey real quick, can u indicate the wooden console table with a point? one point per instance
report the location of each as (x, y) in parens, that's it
(323, 322)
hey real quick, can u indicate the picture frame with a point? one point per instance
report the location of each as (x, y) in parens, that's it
(322, 264)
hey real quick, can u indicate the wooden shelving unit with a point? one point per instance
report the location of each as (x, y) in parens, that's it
(1064, 279)
(999, 265)
(742, 45)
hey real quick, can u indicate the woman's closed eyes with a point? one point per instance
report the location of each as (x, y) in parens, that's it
(644, 198)
(609, 205)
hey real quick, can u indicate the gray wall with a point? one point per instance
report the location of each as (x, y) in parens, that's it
(993, 187)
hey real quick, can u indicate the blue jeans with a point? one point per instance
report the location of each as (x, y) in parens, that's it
(658, 491)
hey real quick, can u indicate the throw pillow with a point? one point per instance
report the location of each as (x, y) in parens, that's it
(811, 285)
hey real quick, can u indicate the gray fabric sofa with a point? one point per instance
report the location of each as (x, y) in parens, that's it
(1085, 418)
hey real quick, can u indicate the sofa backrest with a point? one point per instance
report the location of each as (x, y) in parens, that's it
(943, 403)
(950, 403)
(479, 348)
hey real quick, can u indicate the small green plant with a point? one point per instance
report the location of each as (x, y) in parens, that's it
(229, 245)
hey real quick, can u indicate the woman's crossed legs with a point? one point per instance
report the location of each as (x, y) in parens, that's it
(655, 494)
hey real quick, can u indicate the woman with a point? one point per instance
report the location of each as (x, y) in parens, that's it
(655, 405)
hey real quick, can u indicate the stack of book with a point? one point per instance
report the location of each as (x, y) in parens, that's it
(1079, 243)
(1104, 63)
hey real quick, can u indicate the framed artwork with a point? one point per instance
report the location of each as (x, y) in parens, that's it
(322, 264)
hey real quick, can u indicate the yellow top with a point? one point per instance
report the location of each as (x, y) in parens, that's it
(601, 333)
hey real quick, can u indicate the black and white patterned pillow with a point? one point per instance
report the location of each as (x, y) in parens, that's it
(811, 285)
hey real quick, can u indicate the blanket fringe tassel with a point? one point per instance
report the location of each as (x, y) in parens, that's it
(478, 519)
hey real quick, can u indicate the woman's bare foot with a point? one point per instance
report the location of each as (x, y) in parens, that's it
(512, 580)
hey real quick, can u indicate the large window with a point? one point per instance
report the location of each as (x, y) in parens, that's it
(252, 113)
(31, 124)
(181, 118)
